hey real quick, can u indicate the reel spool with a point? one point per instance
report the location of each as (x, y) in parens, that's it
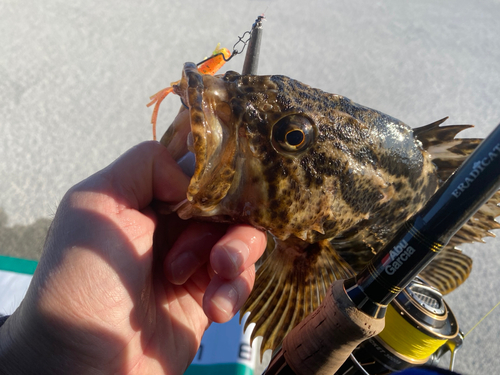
(418, 326)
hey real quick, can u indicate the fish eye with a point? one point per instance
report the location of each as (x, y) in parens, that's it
(293, 133)
(295, 137)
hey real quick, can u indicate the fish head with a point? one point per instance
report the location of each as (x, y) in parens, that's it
(276, 154)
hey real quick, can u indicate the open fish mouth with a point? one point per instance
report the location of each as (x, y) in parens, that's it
(212, 139)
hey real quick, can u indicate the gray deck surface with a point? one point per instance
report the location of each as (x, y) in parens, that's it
(75, 78)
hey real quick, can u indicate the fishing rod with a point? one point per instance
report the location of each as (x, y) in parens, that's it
(354, 310)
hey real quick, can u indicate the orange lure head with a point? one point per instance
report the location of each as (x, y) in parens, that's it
(208, 66)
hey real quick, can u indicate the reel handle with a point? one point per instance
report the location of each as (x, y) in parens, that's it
(337, 326)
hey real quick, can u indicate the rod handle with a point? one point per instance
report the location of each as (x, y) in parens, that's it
(323, 341)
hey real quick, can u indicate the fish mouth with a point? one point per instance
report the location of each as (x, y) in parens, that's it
(212, 140)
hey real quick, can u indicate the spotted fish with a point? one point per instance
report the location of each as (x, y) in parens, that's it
(328, 179)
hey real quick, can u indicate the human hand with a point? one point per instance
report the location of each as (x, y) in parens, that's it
(102, 300)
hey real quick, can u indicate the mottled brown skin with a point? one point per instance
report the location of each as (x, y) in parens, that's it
(330, 201)
(364, 171)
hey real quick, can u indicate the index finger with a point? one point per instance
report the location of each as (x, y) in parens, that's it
(144, 172)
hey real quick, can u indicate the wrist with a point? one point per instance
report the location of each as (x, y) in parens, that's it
(29, 347)
(3, 319)
(16, 354)
(8, 357)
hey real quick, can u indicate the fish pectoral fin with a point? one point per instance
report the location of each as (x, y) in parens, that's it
(290, 284)
(448, 270)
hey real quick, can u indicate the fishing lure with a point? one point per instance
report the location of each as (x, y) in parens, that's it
(208, 66)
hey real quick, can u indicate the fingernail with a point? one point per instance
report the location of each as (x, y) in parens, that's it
(225, 299)
(180, 268)
(237, 252)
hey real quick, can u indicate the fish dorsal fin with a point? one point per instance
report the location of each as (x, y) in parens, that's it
(290, 284)
(446, 151)
(480, 224)
(451, 267)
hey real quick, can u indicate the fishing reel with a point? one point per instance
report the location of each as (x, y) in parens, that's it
(419, 329)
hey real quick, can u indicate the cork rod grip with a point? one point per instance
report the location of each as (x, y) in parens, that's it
(322, 342)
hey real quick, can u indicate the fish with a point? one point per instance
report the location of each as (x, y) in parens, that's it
(329, 180)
